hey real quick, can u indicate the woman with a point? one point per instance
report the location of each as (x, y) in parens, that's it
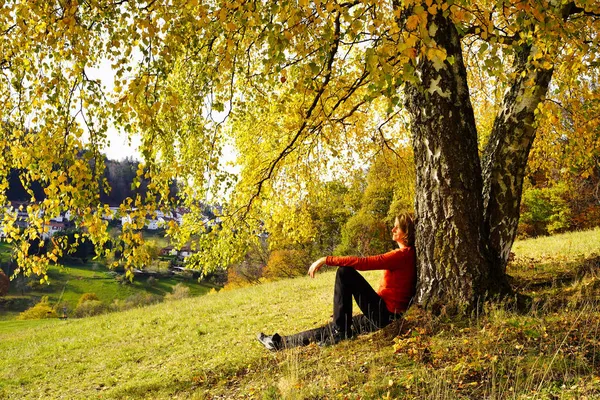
(379, 308)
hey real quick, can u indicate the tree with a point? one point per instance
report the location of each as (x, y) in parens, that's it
(302, 91)
(389, 190)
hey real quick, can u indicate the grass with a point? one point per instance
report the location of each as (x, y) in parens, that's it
(564, 245)
(205, 347)
(69, 282)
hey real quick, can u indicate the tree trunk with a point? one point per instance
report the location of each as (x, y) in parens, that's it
(505, 157)
(452, 261)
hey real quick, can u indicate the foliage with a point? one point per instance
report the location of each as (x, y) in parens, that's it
(545, 211)
(124, 183)
(41, 310)
(288, 248)
(567, 145)
(4, 284)
(119, 174)
(250, 269)
(87, 297)
(78, 245)
(287, 264)
(389, 190)
(180, 291)
(89, 308)
(566, 150)
(365, 234)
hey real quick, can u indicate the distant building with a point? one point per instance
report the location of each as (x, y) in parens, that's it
(52, 228)
(152, 224)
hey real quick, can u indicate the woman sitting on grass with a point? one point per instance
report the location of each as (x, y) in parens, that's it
(379, 308)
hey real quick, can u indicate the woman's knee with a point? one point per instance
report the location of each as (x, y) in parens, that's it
(345, 272)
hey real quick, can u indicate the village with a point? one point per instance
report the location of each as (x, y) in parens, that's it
(155, 224)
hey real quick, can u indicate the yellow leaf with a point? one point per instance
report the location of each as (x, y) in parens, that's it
(412, 22)
(222, 14)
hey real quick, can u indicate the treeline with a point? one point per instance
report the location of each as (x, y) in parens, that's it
(119, 174)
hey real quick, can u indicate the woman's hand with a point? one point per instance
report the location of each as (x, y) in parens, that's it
(316, 266)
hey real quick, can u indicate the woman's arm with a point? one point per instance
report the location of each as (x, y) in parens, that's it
(395, 259)
(316, 266)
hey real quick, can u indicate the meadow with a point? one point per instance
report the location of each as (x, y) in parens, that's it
(70, 280)
(205, 347)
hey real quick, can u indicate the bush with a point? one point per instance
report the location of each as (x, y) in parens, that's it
(87, 297)
(90, 308)
(287, 264)
(41, 310)
(180, 291)
(545, 211)
(4, 284)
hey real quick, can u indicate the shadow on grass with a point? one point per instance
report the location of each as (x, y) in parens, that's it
(572, 284)
(575, 272)
(227, 380)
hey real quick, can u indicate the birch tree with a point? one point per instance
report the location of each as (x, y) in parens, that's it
(295, 92)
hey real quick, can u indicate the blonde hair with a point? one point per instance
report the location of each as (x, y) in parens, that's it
(406, 222)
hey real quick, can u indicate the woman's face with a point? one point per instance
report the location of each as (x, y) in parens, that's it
(397, 233)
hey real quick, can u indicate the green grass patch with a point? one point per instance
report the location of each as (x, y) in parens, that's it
(562, 246)
(69, 282)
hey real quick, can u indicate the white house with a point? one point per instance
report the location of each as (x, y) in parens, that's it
(52, 228)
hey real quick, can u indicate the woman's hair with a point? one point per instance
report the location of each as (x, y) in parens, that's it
(406, 222)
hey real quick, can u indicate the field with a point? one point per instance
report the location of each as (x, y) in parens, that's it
(205, 347)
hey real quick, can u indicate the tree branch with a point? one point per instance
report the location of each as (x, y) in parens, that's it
(291, 145)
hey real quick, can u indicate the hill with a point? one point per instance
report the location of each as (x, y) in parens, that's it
(68, 282)
(205, 347)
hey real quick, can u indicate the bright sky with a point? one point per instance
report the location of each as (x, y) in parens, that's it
(120, 146)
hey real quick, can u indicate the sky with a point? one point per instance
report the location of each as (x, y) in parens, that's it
(120, 146)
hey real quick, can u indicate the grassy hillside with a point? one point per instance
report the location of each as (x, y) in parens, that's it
(70, 281)
(205, 347)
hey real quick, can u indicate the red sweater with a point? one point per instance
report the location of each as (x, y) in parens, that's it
(398, 284)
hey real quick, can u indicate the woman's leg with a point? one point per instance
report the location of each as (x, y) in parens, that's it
(348, 284)
(322, 334)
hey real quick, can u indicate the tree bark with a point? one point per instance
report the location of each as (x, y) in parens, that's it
(506, 154)
(452, 261)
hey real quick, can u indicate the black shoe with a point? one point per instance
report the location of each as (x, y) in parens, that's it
(272, 343)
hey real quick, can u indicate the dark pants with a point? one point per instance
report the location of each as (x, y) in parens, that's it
(348, 284)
